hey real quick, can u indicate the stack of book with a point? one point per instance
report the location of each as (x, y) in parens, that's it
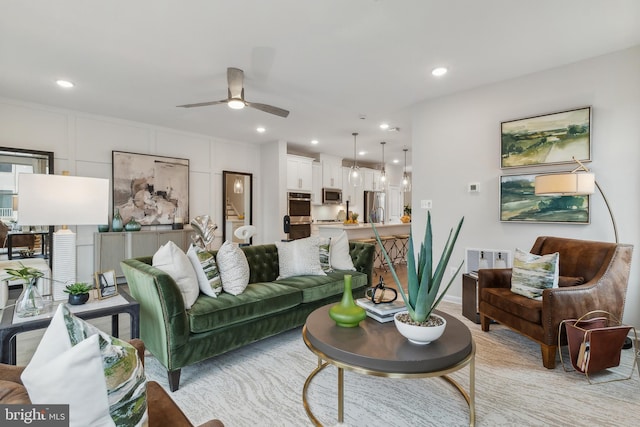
(381, 312)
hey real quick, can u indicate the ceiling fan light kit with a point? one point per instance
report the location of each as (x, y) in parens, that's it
(235, 100)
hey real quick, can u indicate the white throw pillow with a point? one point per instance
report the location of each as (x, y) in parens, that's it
(170, 259)
(339, 253)
(532, 274)
(234, 268)
(206, 269)
(100, 377)
(299, 258)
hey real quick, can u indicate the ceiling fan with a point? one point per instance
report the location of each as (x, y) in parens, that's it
(235, 78)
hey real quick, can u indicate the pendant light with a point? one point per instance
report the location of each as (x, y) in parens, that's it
(406, 181)
(238, 187)
(383, 172)
(355, 177)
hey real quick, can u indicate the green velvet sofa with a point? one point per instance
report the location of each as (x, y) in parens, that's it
(179, 337)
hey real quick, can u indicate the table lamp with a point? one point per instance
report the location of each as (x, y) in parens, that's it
(578, 182)
(62, 200)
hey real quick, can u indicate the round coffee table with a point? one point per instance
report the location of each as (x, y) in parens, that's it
(375, 348)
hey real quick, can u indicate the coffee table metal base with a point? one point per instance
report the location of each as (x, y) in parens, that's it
(469, 397)
(379, 350)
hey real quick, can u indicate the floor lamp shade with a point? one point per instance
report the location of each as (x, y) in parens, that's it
(565, 184)
(62, 200)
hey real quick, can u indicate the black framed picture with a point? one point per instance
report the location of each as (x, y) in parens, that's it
(546, 139)
(151, 189)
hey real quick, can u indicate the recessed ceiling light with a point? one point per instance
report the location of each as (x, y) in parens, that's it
(65, 84)
(314, 141)
(396, 160)
(362, 153)
(384, 126)
(439, 71)
(260, 129)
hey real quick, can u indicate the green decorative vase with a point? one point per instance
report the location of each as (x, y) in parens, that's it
(132, 225)
(347, 313)
(116, 223)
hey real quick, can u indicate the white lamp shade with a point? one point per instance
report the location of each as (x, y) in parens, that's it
(565, 184)
(62, 200)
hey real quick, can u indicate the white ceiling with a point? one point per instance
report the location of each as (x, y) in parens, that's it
(329, 62)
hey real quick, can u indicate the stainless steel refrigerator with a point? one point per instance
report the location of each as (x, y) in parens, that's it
(374, 206)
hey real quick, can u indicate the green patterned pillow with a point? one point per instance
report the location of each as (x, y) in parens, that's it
(532, 273)
(204, 264)
(325, 260)
(100, 377)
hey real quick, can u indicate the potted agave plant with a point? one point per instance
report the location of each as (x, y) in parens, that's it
(78, 292)
(419, 324)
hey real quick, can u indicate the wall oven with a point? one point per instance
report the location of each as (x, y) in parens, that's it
(299, 215)
(331, 196)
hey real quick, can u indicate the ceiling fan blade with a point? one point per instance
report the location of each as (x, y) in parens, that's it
(235, 78)
(268, 109)
(203, 104)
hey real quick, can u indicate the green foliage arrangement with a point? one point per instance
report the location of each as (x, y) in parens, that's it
(78, 288)
(25, 273)
(424, 283)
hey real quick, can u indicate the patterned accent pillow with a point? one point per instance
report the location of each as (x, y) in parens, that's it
(234, 268)
(299, 258)
(170, 259)
(325, 258)
(103, 378)
(206, 270)
(532, 273)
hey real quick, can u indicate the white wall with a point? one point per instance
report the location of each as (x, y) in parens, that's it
(82, 144)
(456, 140)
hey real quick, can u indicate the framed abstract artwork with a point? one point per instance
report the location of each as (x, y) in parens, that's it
(547, 139)
(106, 284)
(519, 203)
(151, 189)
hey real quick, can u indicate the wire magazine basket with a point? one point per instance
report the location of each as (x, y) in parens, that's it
(595, 343)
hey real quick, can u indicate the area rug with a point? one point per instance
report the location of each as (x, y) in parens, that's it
(261, 385)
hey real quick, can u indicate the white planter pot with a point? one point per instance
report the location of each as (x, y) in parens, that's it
(419, 334)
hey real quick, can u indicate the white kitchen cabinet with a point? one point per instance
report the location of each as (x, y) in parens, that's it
(372, 180)
(316, 182)
(299, 173)
(331, 171)
(354, 195)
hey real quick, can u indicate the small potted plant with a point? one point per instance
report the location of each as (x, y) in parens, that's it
(78, 293)
(418, 324)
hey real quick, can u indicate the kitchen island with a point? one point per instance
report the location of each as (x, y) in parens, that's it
(363, 230)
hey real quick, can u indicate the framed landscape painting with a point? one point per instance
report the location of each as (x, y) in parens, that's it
(547, 139)
(519, 203)
(152, 189)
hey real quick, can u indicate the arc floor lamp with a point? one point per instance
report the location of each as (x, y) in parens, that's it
(578, 182)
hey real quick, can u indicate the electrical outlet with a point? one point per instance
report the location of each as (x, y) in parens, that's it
(426, 204)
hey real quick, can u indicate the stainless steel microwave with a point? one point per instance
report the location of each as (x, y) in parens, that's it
(331, 196)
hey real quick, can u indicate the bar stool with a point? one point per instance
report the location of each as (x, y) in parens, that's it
(389, 243)
(402, 241)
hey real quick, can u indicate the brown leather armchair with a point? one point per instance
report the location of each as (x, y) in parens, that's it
(162, 410)
(593, 276)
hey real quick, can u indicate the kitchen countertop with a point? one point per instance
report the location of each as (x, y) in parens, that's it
(363, 230)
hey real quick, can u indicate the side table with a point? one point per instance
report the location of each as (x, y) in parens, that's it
(470, 297)
(102, 308)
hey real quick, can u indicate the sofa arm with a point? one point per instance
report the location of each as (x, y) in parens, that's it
(362, 255)
(164, 326)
